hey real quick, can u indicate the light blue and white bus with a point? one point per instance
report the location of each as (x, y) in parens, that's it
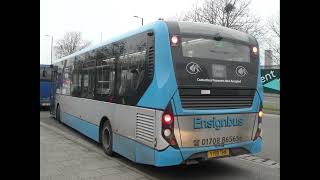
(165, 94)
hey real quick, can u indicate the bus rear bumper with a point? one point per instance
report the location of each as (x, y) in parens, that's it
(255, 146)
(171, 156)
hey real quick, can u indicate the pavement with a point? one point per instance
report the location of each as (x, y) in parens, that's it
(61, 157)
(67, 154)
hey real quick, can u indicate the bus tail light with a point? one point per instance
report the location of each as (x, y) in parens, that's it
(254, 51)
(173, 142)
(260, 114)
(167, 118)
(259, 129)
(167, 132)
(168, 127)
(174, 40)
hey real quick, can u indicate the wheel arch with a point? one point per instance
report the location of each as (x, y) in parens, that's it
(58, 105)
(103, 120)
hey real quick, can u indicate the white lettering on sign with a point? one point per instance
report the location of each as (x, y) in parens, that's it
(205, 91)
(219, 80)
(268, 77)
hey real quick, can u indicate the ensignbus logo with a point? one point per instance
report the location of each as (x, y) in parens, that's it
(199, 123)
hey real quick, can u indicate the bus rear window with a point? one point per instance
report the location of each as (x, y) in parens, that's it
(218, 50)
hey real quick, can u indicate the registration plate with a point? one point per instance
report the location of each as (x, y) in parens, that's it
(45, 104)
(218, 153)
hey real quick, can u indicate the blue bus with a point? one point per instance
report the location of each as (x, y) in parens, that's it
(45, 85)
(165, 94)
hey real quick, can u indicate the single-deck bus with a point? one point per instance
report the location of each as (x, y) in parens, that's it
(165, 94)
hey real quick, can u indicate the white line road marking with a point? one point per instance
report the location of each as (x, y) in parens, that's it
(269, 162)
(258, 160)
(243, 156)
(250, 158)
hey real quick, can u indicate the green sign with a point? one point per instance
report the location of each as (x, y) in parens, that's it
(271, 80)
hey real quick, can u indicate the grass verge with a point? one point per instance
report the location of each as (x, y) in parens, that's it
(271, 108)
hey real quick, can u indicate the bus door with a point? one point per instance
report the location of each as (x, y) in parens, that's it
(54, 75)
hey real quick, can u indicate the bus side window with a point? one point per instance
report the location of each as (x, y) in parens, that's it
(132, 61)
(76, 79)
(66, 83)
(85, 83)
(88, 75)
(44, 73)
(105, 74)
(59, 82)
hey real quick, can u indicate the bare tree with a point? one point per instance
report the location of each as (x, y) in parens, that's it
(234, 14)
(193, 15)
(272, 38)
(177, 17)
(70, 43)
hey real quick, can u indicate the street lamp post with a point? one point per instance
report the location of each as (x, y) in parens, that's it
(51, 46)
(139, 18)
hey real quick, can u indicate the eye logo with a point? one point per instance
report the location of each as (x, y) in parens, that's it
(241, 71)
(193, 68)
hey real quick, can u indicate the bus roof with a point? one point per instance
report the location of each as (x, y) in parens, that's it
(185, 27)
(117, 38)
(211, 30)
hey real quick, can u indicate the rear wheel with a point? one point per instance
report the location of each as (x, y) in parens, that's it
(106, 138)
(58, 114)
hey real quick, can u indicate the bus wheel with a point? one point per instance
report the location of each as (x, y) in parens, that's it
(106, 138)
(58, 114)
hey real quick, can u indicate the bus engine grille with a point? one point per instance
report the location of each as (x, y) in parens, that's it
(217, 98)
(145, 129)
(150, 61)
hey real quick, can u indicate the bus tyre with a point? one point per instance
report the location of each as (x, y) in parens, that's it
(58, 114)
(106, 138)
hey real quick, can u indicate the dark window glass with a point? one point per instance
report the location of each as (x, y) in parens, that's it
(45, 73)
(112, 73)
(76, 79)
(132, 63)
(212, 49)
(66, 82)
(59, 78)
(105, 74)
(88, 78)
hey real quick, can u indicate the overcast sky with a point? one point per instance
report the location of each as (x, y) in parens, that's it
(113, 17)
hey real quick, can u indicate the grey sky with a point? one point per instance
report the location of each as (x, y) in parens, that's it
(112, 17)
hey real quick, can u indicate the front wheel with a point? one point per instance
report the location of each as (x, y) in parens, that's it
(106, 138)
